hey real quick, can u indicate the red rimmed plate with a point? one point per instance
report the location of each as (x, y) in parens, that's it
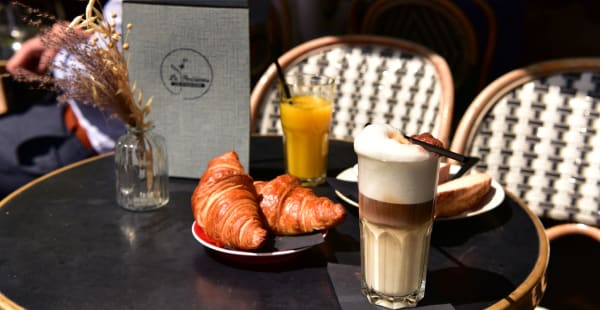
(286, 251)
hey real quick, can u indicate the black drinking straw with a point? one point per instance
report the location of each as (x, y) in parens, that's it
(282, 80)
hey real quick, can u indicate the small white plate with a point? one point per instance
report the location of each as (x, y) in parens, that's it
(350, 174)
(492, 200)
(245, 257)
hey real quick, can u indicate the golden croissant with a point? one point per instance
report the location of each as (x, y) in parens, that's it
(225, 206)
(291, 209)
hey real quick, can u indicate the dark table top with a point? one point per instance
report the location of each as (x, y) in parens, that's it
(65, 244)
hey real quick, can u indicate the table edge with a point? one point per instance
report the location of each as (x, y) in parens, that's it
(530, 292)
(7, 304)
(50, 174)
(5, 301)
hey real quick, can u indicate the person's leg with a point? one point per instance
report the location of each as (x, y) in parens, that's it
(34, 142)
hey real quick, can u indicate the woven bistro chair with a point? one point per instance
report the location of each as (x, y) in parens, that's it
(462, 32)
(438, 24)
(378, 79)
(537, 132)
(270, 33)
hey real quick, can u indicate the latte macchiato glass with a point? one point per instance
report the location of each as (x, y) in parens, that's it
(397, 184)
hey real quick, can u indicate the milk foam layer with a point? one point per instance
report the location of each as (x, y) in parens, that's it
(391, 171)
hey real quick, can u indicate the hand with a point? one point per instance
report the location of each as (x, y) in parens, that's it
(35, 56)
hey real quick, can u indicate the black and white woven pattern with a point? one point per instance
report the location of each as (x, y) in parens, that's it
(542, 142)
(373, 85)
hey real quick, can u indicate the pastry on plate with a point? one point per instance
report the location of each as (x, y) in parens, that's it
(462, 194)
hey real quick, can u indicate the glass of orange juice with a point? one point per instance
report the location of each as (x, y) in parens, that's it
(306, 119)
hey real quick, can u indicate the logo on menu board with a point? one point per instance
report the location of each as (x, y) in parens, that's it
(186, 73)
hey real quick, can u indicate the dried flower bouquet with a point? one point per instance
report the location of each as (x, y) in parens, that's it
(92, 69)
(96, 71)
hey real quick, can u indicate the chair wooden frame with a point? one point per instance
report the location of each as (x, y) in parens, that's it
(295, 55)
(4, 106)
(561, 230)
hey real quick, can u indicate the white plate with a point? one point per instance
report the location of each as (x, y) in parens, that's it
(246, 257)
(350, 174)
(492, 200)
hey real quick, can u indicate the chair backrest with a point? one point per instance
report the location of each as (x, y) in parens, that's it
(377, 80)
(270, 34)
(462, 32)
(443, 26)
(4, 77)
(537, 131)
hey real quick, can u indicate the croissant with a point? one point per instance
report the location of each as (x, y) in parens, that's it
(222, 166)
(291, 209)
(224, 204)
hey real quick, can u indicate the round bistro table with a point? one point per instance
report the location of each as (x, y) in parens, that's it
(65, 244)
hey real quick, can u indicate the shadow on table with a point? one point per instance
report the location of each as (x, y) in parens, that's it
(309, 258)
(450, 294)
(473, 291)
(454, 232)
(341, 248)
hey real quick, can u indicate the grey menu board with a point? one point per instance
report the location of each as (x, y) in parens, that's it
(193, 58)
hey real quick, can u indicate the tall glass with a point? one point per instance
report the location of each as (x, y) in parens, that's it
(397, 187)
(306, 119)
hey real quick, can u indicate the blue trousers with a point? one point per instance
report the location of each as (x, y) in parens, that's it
(35, 141)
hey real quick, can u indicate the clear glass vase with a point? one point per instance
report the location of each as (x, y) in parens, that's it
(141, 169)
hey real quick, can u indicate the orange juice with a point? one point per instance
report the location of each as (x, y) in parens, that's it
(305, 123)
